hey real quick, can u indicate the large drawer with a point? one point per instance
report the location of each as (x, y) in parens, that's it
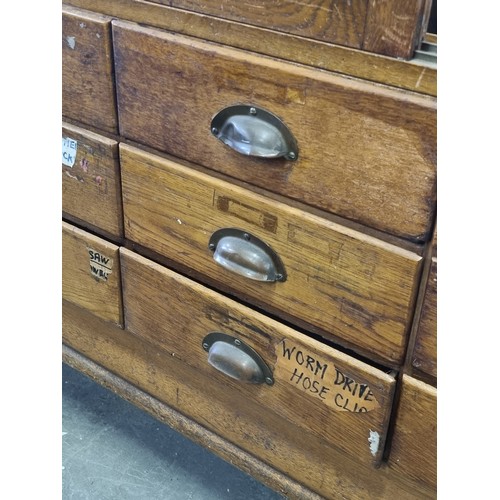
(315, 387)
(91, 274)
(365, 152)
(91, 189)
(414, 444)
(342, 284)
(88, 91)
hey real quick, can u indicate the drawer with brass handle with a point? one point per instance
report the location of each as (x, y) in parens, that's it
(340, 283)
(340, 399)
(350, 147)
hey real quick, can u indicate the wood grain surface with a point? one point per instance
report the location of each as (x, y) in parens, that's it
(365, 152)
(409, 75)
(315, 387)
(336, 21)
(425, 351)
(91, 189)
(349, 286)
(91, 274)
(299, 454)
(394, 27)
(88, 92)
(414, 444)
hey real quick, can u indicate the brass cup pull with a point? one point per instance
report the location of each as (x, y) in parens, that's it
(237, 360)
(254, 131)
(246, 255)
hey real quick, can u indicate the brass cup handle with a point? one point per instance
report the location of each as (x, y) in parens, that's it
(246, 255)
(254, 131)
(234, 358)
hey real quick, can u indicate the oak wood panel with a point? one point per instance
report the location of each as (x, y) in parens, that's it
(296, 453)
(337, 21)
(91, 273)
(339, 59)
(88, 94)
(425, 351)
(394, 27)
(365, 152)
(179, 313)
(414, 444)
(91, 188)
(349, 286)
(189, 428)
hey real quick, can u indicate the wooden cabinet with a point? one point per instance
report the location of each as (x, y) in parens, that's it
(267, 290)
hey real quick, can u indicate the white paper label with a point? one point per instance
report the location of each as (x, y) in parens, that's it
(69, 148)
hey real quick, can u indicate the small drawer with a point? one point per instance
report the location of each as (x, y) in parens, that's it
(414, 444)
(91, 190)
(88, 93)
(363, 151)
(344, 401)
(424, 356)
(342, 284)
(91, 274)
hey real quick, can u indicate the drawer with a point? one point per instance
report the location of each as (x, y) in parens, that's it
(91, 190)
(316, 388)
(414, 444)
(340, 283)
(91, 274)
(365, 152)
(390, 27)
(88, 94)
(425, 351)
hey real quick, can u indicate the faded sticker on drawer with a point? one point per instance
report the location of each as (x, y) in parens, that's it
(100, 265)
(321, 379)
(69, 150)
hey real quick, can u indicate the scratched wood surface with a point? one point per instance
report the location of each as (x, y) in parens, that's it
(91, 189)
(316, 387)
(88, 94)
(366, 153)
(244, 422)
(337, 58)
(394, 27)
(344, 284)
(91, 273)
(425, 351)
(335, 21)
(414, 445)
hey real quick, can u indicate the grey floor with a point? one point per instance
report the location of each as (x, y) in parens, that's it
(114, 451)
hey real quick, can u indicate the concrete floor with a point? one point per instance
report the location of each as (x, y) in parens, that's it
(114, 451)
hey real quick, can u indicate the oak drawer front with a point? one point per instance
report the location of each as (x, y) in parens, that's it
(91, 189)
(344, 401)
(414, 444)
(91, 274)
(338, 22)
(341, 283)
(365, 152)
(425, 350)
(88, 94)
